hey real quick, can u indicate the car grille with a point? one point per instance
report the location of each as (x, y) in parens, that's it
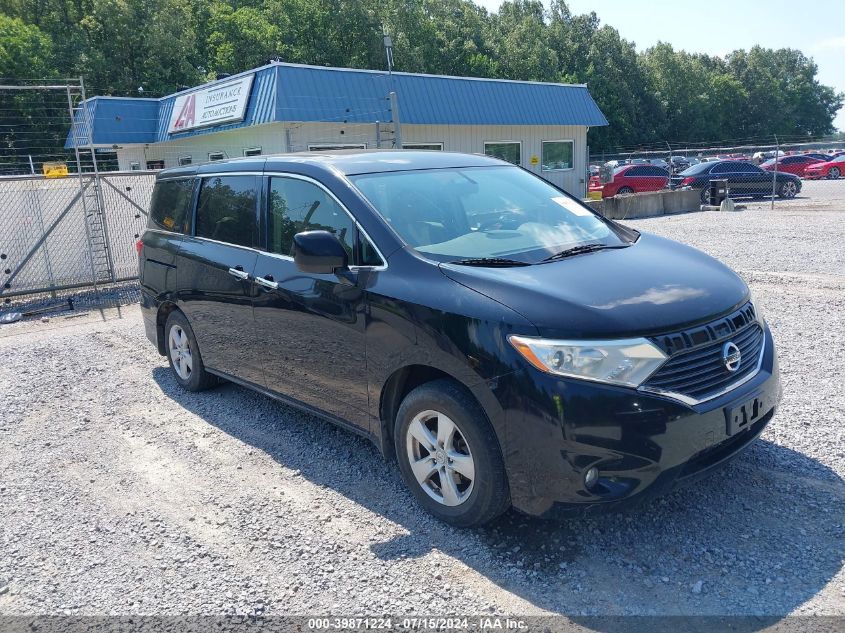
(696, 368)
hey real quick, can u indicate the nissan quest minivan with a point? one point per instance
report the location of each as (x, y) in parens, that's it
(504, 343)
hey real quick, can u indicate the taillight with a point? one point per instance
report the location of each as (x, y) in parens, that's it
(138, 246)
(687, 181)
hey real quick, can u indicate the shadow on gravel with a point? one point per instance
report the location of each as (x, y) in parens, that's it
(759, 537)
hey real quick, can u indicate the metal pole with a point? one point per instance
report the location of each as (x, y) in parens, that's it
(397, 126)
(31, 166)
(378, 135)
(775, 172)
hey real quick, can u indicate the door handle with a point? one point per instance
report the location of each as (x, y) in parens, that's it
(267, 282)
(239, 272)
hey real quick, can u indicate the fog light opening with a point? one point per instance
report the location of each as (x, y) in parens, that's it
(591, 477)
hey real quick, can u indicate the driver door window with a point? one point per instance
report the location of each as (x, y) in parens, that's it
(298, 205)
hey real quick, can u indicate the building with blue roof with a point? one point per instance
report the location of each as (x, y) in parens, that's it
(285, 107)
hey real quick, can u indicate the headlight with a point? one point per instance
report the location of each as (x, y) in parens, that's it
(627, 362)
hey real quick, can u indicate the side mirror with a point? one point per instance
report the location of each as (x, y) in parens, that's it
(318, 252)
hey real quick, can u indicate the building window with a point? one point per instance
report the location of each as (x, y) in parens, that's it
(155, 164)
(213, 156)
(429, 146)
(135, 166)
(329, 148)
(557, 155)
(184, 160)
(252, 151)
(510, 151)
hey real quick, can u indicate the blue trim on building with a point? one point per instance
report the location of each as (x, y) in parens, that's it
(293, 92)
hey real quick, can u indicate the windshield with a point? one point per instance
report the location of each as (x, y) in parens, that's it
(482, 212)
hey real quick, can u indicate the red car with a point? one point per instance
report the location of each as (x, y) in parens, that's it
(795, 164)
(632, 179)
(833, 169)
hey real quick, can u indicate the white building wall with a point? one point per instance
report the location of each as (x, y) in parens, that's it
(274, 138)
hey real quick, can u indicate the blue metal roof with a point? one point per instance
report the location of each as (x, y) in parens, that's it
(294, 92)
(116, 120)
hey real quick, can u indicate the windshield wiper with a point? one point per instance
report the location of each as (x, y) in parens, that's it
(493, 262)
(583, 248)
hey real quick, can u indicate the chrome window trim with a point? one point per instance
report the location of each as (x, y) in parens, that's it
(694, 401)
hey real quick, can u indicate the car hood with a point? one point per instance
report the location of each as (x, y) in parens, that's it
(656, 285)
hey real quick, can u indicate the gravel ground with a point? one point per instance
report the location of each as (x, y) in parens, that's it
(121, 494)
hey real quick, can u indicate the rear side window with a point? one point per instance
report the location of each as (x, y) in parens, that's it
(226, 210)
(170, 203)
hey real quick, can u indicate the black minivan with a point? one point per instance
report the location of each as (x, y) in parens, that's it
(504, 343)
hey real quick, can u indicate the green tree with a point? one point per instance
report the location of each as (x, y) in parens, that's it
(25, 51)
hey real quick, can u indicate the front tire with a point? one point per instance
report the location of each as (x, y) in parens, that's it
(449, 457)
(834, 173)
(183, 354)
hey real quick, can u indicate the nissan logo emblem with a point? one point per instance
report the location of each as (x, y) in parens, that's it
(731, 357)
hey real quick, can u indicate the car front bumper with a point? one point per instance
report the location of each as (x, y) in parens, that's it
(642, 444)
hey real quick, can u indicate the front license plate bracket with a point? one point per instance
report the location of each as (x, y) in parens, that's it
(741, 417)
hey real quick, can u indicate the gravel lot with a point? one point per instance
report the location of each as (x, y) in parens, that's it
(121, 494)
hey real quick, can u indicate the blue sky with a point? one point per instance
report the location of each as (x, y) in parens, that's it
(816, 28)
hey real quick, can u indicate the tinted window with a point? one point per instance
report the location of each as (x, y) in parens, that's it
(700, 168)
(170, 203)
(636, 171)
(656, 171)
(725, 168)
(747, 167)
(296, 206)
(226, 209)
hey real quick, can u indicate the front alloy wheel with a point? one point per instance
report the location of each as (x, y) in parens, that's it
(440, 458)
(834, 173)
(449, 454)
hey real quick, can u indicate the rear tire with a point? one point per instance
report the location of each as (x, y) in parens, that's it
(183, 354)
(624, 191)
(448, 455)
(788, 190)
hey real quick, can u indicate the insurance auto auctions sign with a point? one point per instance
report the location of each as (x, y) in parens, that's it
(222, 103)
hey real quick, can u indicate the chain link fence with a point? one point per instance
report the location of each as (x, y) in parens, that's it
(808, 172)
(68, 229)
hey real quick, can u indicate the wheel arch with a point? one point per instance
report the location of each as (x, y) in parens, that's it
(164, 311)
(399, 384)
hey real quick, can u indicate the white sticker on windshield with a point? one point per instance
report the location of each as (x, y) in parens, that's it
(571, 205)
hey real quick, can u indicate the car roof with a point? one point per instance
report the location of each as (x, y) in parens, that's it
(347, 162)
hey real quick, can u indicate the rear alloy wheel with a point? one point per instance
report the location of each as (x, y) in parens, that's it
(705, 195)
(834, 173)
(624, 190)
(788, 190)
(184, 354)
(449, 456)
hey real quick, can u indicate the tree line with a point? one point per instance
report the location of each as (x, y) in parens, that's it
(654, 96)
